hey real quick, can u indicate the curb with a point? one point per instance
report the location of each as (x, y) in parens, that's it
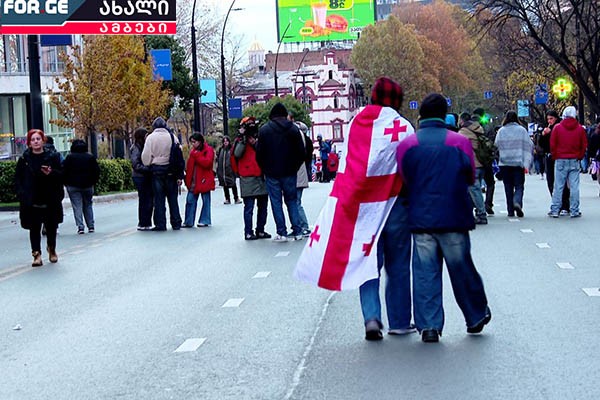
(97, 199)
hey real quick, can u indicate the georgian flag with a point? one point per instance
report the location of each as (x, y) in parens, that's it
(341, 252)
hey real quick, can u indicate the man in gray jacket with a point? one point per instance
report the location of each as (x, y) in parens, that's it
(156, 155)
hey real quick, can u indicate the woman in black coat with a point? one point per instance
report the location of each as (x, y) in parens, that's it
(38, 182)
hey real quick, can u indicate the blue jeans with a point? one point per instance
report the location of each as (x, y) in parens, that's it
(191, 203)
(393, 253)
(165, 188)
(143, 184)
(514, 186)
(429, 252)
(81, 202)
(301, 213)
(477, 194)
(566, 170)
(261, 213)
(286, 187)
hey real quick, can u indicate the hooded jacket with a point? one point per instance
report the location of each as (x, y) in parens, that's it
(568, 140)
(471, 129)
(80, 168)
(279, 151)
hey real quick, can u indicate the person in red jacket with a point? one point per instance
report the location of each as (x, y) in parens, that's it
(333, 163)
(199, 180)
(567, 145)
(252, 181)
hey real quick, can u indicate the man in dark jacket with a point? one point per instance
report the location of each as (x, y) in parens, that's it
(437, 168)
(279, 153)
(81, 173)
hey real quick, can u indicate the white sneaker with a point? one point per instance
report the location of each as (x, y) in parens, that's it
(402, 331)
(280, 238)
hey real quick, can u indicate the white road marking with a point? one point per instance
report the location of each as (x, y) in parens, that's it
(514, 220)
(190, 345)
(78, 252)
(592, 291)
(96, 245)
(503, 212)
(261, 274)
(543, 245)
(527, 230)
(565, 265)
(282, 254)
(233, 302)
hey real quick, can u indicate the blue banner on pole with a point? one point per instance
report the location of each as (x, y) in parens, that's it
(523, 108)
(541, 93)
(413, 105)
(210, 86)
(162, 67)
(56, 40)
(235, 108)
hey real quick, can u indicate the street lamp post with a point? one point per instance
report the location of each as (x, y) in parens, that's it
(277, 58)
(195, 74)
(223, 83)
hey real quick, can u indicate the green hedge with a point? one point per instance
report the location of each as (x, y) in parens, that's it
(115, 176)
(7, 182)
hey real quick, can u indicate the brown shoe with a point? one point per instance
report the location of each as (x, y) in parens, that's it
(37, 259)
(52, 256)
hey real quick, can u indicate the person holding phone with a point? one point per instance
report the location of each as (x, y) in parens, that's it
(39, 186)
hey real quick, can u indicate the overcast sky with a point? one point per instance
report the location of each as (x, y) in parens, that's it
(255, 22)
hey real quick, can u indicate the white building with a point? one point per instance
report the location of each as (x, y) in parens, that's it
(15, 95)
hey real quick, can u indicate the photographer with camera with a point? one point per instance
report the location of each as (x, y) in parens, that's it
(252, 181)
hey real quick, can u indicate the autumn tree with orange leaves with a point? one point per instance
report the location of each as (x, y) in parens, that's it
(107, 86)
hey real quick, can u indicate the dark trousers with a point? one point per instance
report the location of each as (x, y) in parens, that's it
(143, 184)
(550, 181)
(165, 188)
(514, 185)
(233, 190)
(38, 219)
(261, 213)
(490, 184)
(325, 177)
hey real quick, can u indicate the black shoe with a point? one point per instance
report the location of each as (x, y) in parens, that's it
(511, 215)
(176, 228)
(481, 221)
(519, 211)
(263, 235)
(489, 210)
(479, 327)
(157, 229)
(430, 336)
(373, 330)
(250, 236)
(187, 226)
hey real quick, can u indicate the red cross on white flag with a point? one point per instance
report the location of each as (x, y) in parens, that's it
(338, 254)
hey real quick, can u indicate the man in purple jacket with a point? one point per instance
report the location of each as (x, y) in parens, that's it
(437, 168)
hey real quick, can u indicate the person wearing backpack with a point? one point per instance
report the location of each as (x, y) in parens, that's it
(515, 153)
(473, 131)
(162, 153)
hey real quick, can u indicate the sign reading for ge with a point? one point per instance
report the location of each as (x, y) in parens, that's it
(33, 7)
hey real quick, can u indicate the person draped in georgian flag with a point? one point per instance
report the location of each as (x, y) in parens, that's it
(341, 252)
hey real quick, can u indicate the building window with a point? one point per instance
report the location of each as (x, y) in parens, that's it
(50, 62)
(330, 74)
(12, 54)
(336, 104)
(337, 130)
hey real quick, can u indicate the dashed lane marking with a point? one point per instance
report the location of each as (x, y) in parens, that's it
(78, 252)
(282, 254)
(543, 245)
(592, 291)
(261, 274)
(96, 245)
(527, 230)
(514, 220)
(232, 303)
(190, 345)
(12, 272)
(565, 265)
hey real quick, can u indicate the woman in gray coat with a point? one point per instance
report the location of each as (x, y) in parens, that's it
(225, 171)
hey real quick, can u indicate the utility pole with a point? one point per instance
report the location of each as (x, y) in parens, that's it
(36, 117)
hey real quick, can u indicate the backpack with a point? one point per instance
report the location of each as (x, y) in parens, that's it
(176, 161)
(486, 150)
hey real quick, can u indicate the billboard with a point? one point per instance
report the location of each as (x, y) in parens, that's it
(323, 20)
(88, 17)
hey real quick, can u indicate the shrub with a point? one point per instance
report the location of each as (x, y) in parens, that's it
(112, 177)
(127, 171)
(7, 182)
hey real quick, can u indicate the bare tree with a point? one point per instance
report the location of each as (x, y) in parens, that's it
(568, 31)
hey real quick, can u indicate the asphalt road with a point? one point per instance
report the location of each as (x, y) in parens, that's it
(203, 314)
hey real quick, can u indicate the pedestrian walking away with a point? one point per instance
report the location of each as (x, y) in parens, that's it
(39, 187)
(279, 153)
(200, 181)
(553, 119)
(568, 144)
(437, 167)
(515, 150)
(253, 187)
(80, 174)
(166, 177)
(225, 172)
(142, 179)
